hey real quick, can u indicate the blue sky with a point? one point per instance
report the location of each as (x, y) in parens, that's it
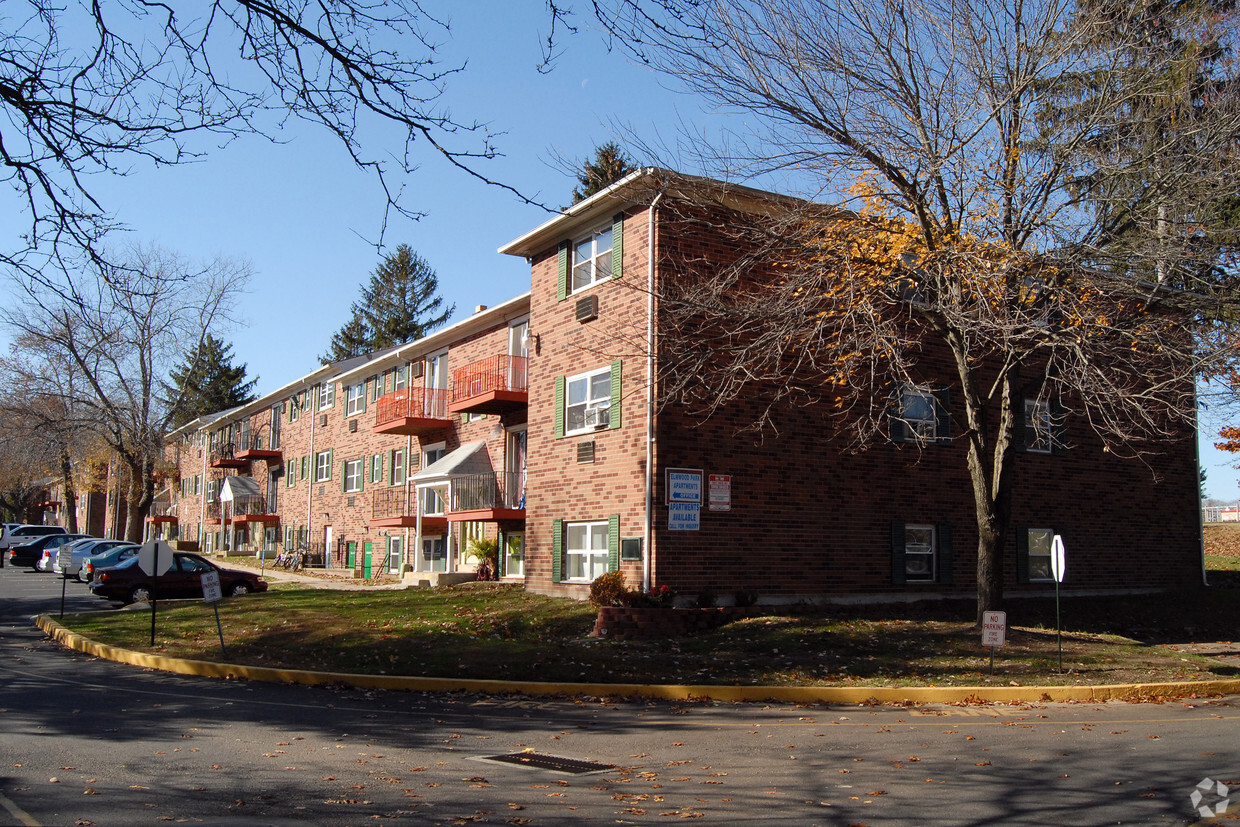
(305, 217)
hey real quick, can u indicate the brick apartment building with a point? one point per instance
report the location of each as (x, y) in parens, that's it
(538, 423)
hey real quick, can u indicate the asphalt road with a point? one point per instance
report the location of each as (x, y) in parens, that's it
(85, 741)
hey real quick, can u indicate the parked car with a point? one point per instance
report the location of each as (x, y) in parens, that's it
(28, 554)
(106, 560)
(16, 534)
(51, 555)
(82, 550)
(127, 583)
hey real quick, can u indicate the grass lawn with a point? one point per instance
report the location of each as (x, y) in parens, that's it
(500, 632)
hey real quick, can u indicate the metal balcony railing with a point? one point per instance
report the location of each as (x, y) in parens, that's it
(163, 509)
(251, 507)
(414, 403)
(498, 373)
(472, 492)
(223, 452)
(388, 503)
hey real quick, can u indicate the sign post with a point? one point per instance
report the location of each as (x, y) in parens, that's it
(64, 560)
(212, 594)
(154, 558)
(994, 633)
(1059, 567)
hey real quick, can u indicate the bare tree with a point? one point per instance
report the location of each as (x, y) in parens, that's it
(121, 329)
(106, 87)
(991, 242)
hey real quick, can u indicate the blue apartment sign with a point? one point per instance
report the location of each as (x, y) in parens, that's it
(684, 516)
(684, 485)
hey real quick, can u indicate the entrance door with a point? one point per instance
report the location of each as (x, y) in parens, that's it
(367, 550)
(394, 554)
(351, 555)
(514, 469)
(327, 546)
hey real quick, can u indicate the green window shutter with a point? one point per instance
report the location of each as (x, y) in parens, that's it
(898, 574)
(613, 415)
(617, 245)
(363, 408)
(329, 463)
(344, 474)
(559, 407)
(944, 550)
(557, 551)
(465, 418)
(561, 290)
(1022, 554)
(613, 542)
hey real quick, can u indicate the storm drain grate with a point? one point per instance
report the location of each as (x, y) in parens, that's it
(550, 762)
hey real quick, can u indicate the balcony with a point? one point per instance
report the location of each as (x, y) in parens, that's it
(412, 412)
(260, 446)
(224, 455)
(256, 510)
(481, 497)
(211, 513)
(492, 386)
(162, 512)
(390, 509)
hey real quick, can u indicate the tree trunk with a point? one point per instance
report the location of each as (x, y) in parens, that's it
(70, 504)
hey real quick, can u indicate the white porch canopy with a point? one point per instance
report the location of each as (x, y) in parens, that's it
(240, 489)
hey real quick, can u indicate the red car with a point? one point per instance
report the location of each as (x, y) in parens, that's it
(127, 583)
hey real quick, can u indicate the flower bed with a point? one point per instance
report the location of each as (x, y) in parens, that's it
(628, 623)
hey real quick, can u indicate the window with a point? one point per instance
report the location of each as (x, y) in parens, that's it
(514, 554)
(322, 466)
(327, 395)
(585, 547)
(591, 259)
(1033, 555)
(587, 401)
(398, 467)
(376, 468)
(921, 553)
(294, 408)
(290, 475)
(352, 475)
(1038, 433)
(355, 399)
(376, 386)
(400, 378)
(305, 468)
(921, 416)
(212, 496)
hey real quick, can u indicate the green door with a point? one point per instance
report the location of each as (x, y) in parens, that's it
(366, 552)
(350, 559)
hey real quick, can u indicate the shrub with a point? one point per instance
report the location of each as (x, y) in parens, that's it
(609, 590)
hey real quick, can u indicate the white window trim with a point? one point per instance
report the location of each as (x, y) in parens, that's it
(327, 395)
(922, 430)
(932, 554)
(1029, 554)
(398, 478)
(603, 404)
(597, 274)
(355, 399)
(354, 471)
(322, 466)
(1038, 421)
(588, 552)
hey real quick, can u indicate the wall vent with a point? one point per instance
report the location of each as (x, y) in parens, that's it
(322, 420)
(352, 426)
(350, 502)
(585, 452)
(587, 308)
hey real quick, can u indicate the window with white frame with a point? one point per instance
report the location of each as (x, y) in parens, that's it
(919, 553)
(587, 401)
(294, 408)
(1038, 434)
(400, 377)
(376, 468)
(591, 259)
(1038, 554)
(305, 468)
(398, 467)
(376, 386)
(327, 395)
(919, 414)
(514, 554)
(353, 475)
(355, 399)
(434, 554)
(585, 550)
(322, 466)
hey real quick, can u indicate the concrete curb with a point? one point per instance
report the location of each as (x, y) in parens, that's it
(668, 692)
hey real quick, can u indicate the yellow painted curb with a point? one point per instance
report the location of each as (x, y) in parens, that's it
(669, 692)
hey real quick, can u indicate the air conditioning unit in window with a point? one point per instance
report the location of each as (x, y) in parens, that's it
(598, 418)
(415, 370)
(587, 308)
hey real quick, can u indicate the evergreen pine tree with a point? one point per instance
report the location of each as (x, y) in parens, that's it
(401, 303)
(610, 164)
(207, 382)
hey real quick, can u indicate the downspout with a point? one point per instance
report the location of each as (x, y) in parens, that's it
(648, 528)
(202, 495)
(310, 497)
